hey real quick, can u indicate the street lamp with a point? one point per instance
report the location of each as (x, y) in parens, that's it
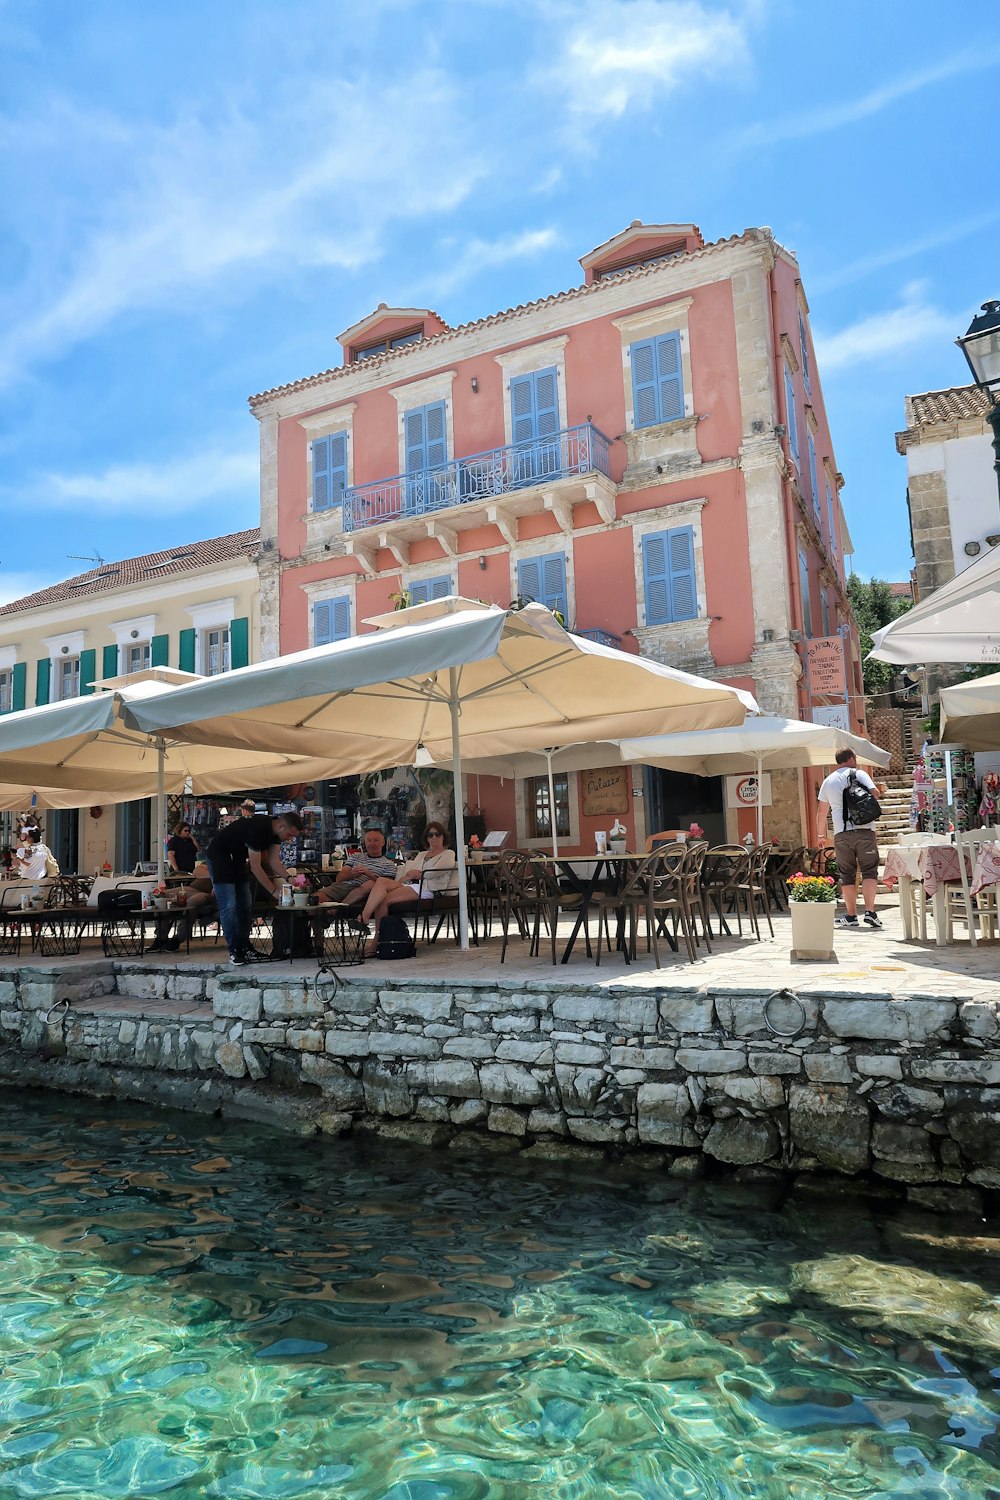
(981, 347)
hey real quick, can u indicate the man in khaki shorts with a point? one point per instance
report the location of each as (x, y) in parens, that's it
(856, 848)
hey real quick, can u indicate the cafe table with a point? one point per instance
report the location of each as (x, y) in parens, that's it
(935, 866)
(615, 868)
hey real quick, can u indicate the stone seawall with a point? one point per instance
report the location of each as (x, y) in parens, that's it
(907, 1091)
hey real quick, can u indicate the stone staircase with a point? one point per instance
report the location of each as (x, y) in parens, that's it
(895, 817)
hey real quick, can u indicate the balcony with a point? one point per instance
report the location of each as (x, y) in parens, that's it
(486, 488)
(602, 637)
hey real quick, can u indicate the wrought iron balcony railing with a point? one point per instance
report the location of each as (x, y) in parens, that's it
(602, 637)
(481, 476)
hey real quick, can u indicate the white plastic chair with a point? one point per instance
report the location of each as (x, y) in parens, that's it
(958, 893)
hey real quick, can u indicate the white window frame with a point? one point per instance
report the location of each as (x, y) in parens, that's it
(664, 518)
(205, 648)
(540, 356)
(521, 815)
(669, 317)
(326, 589)
(58, 676)
(6, 689)
(124, 652)
(323, 424)
(62, 648)
(214, 614)
(437, 387)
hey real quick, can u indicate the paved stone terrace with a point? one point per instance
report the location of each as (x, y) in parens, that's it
(871, 964)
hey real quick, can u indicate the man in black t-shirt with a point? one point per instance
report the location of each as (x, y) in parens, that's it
(244, 846)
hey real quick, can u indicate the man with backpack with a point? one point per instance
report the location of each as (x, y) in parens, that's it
(850, 795)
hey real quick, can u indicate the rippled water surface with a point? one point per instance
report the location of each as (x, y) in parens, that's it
(192, 1309)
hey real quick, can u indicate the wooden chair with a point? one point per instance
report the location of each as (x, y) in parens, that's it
(667, 836)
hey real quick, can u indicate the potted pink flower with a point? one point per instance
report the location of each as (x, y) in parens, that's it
(300, 890)
(696, 831)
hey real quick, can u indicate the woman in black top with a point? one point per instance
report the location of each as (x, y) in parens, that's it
(182, 851)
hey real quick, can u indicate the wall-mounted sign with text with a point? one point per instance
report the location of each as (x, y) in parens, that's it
(825, 659)
(741, 791)
(605, 791)
(835, 716)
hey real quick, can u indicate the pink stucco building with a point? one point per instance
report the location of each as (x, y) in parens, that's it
(647, 452)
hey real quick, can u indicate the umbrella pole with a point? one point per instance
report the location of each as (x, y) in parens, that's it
(552, 805)
(161, 811)
(456, 773)
(760, 804)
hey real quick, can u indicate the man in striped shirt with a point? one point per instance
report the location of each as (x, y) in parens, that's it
(361, 871)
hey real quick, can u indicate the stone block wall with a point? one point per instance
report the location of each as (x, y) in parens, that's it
(905, 1089)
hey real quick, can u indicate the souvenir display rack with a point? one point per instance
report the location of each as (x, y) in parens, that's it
(964, 795)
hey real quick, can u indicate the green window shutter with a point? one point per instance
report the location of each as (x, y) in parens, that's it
(88, 671)
(109, 664)
(185, 658)
(158, 649)
(18, 684)
(239, 642)
(43, 669)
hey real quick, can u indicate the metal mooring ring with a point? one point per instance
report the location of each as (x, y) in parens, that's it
(326, 976)
(784, 995)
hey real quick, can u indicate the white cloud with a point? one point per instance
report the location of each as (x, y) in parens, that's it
(19, 585)
(172, 487)
(886, 334)
(856, 270)
(818, 122)
(461, 260)
(622, 54)
(203, 207)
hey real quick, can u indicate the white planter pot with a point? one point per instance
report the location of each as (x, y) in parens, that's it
(812, 928)
(301, 899)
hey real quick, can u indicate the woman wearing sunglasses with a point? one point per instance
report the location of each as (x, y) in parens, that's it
(182, 851)
(427, 874)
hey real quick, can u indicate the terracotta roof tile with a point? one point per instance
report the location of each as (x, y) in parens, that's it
(946, 406)
(377, 361)
(186, 558)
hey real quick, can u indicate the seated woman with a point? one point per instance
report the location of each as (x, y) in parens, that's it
(427, 874)
(182, 851)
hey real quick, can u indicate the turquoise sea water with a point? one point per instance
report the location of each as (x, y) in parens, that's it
(188, 1309)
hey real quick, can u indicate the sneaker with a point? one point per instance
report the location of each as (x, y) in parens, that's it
(254, 956)
(238, 960)
(172, 944)
(872, 920)
(846, 921)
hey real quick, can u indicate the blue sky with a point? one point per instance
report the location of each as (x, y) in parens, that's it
(196, 199)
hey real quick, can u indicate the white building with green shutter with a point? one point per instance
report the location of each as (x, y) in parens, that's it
(194, 606)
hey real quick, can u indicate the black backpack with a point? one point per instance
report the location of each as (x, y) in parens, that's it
(861, 806)
(394, 940)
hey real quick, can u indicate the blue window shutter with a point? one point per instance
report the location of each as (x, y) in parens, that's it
(329, 455)
(522, 408)
(670, 381)
(546, 402)
(323, 622)
(437, 435)
(341, 618)
(793, 434)
(831, 520)
(554, 583)
(656, 580)
(644, 385)
(43, 673)
(804, 350)
(807, 624)
(159, 651)
(812, 475)
(529, 578)
(424, 589)
(683, 588)
(19, 679)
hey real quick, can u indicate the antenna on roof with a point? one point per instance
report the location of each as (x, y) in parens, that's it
(91, 557)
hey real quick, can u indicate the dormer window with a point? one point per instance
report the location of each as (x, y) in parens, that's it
(638, 247)
(398, 342)
(659, 258)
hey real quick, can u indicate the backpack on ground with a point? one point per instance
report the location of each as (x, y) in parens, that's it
(51, 863)
(394, 940)
(861, 806)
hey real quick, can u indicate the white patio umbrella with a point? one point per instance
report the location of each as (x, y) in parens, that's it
(970, 712)
(454, 676)
(87, 749)
(958, 622)
(762, 743)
